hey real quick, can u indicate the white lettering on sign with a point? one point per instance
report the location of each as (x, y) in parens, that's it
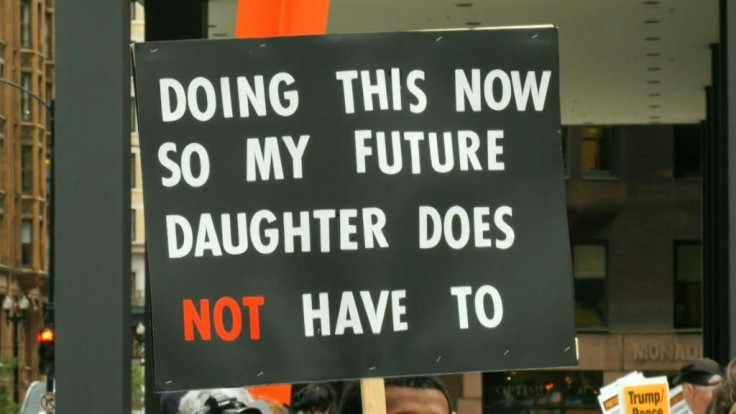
(454, 227)
(498, 88)
(460, 151)
(185, 170)
(267, 233)
(200, 97)
(349, 314)
(373, 86)
(462, 293)
(260, 161)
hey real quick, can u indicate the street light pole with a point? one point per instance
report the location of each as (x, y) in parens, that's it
(26, 91)
(15, 313)
(16, 320)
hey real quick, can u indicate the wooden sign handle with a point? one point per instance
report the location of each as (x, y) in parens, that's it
(373, 395)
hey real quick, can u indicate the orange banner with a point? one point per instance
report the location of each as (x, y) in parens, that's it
(278, 393)
(270, 18)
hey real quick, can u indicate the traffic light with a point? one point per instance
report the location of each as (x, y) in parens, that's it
(46, 351)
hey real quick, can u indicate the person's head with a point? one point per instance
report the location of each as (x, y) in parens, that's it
(314, 398)
(170, 402)
(698, 381)
(195, 401)
(724, 396)
(406, 395)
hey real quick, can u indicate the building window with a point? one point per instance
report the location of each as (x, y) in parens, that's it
(2, 111)
(47, 164)
(39, 25)
(43, 257)
(42, 114)
(2, 225)
(25, 99)
(25, 243)
(688, 284)
(26, 165)
(590, 271)
(133, 291)
(49, 101)
(40, 174)
(2, 75)
(597, 151)
(25, 24)
(559, 392)
(132, 10)
(687, 150)
(47, 237)
(133, 118)
(2, 151)
(132, 224)
(132, 170)
(48, 29)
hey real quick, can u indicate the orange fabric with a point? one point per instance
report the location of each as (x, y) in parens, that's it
(278, 393)
(270, 18)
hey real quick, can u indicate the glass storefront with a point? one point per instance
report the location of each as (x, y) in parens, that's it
(542, 392)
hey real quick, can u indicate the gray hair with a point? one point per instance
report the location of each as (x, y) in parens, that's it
(195, 400)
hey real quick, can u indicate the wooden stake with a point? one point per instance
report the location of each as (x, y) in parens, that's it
(373, 394)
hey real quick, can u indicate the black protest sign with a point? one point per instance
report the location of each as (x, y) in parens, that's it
(354, 206)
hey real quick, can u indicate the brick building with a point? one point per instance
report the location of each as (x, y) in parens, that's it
(26, 60)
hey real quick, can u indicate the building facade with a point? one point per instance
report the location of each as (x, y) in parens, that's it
(26, 60)
(634, 208)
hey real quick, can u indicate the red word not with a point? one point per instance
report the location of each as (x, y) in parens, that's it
(201, 318)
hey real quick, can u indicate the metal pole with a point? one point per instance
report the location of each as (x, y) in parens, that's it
(728, 39)
(92, 214)
(49, 315)
(49, 311)
(16, 372)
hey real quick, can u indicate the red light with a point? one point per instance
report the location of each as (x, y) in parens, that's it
(46, 335)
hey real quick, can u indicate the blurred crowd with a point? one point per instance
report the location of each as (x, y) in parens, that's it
(406, 395)
(707, 389)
